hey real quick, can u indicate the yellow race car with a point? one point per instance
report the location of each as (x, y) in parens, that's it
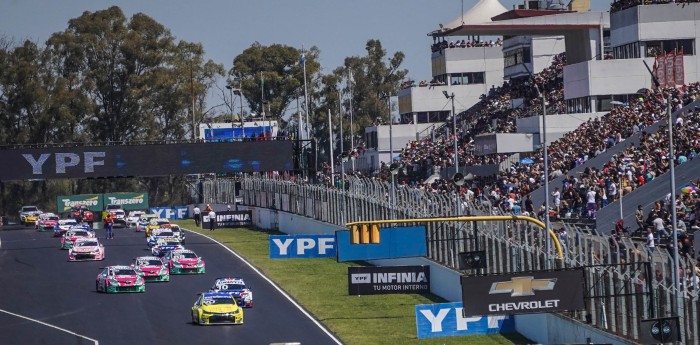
(216, 308)
(156, 224)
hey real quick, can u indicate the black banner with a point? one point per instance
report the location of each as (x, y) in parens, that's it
(229, 219)
(373, 280)
(522, 293)
(146, 160)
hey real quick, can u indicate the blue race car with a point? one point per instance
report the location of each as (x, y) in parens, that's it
(236, 288)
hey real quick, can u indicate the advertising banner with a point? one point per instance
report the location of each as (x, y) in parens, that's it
(229, 219)
(661, 70)
(174, 212)
(302, 246)
(522, 293)
(129, 201)
(146, 160)
(92, 201)
(447, 320)
(374, 280)
(679, 68)
(670, 71)
(398, 242)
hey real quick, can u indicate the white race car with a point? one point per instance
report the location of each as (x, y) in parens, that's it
(133, 218)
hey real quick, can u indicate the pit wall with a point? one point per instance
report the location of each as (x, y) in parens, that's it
(444, 282)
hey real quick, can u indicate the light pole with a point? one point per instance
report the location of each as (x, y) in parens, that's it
(351, 81)
(451, 97)
(230, 106)
(546, 177)
(674, 220)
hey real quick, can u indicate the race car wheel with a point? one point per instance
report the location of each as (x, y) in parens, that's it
(97, 286)
(194, 320)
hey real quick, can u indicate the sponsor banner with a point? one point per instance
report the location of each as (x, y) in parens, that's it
(398, 242)
(146, 160)
(92, 201)
(661, 70)
(129, 201)
(521, 293)
(670, 71)
(448, 320)
(229, 219)
(373, 280)
(174, 212)
(302, 246)
(679, 68)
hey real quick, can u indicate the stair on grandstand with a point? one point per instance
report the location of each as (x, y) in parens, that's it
(647, 195)
(597, 162)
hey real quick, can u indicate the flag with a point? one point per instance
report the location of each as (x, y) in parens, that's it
(670, 73)
(303, 58)
(679, 68)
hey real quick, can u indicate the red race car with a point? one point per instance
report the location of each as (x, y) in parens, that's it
(82, 212)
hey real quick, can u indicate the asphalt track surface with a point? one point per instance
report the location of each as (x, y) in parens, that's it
(38, 282)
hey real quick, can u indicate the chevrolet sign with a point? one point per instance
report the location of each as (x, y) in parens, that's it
(537, 292)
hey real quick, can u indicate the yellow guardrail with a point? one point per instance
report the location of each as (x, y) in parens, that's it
(466, 219)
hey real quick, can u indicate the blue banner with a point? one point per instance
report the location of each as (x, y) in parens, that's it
(446, 320)
(174, 212)
(393, 243)
(302, 246)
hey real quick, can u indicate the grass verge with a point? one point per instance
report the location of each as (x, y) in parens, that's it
(320, 285)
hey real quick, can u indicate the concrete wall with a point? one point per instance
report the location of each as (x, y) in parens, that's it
(424, 99)
(485, 144)
(654, 22)
(557, 125)
(541, 328)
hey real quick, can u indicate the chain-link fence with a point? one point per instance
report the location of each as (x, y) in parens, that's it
(623, 286)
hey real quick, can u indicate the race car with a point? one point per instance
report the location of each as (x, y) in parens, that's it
(28, 215)
(158, 233)
(72, 235)
(156, 223)
(166, 245)
(46, 222)
(236, 288)
(118, 218)
(62, 226)
(216, 308)
(144, 221)
(132, 220)
(82, 212)
(184, 261)
(115, 279)
(152, 268)
(178, 233)
(86, 248)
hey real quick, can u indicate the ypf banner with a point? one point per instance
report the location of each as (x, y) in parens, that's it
(448, 320)
(388, 279)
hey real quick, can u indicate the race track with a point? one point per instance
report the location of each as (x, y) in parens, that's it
(39, 283)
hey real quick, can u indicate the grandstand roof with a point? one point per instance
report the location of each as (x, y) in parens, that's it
(530, 22)
(482, 12)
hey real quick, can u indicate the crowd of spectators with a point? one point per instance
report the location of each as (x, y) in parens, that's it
(442, 45)
(620, 5)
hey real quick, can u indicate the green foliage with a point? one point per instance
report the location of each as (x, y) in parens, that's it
(283, 74)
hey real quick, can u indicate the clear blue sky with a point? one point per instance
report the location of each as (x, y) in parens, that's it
(226, 27)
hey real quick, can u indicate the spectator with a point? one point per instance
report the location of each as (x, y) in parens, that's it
(197, 215)
(212, 219)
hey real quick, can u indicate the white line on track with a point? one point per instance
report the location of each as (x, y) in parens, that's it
(52, 326)
(276, 288)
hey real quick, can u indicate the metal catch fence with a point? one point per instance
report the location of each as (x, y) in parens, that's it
(623, 285)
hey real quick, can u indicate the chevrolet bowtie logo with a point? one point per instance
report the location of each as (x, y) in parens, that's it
(522, 286)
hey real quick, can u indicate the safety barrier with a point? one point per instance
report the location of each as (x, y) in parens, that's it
(623, 287)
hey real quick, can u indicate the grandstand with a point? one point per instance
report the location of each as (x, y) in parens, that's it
(615, 144)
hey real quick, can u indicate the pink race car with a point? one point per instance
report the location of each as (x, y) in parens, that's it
(86, 248)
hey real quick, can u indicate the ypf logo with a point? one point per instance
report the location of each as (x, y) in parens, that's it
(522, 286)
(361, 278)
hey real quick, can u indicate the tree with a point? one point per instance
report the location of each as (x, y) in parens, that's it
(283, 74)
(133, 74)
(374, 80)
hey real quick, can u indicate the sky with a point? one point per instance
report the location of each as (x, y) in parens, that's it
(226, 27)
